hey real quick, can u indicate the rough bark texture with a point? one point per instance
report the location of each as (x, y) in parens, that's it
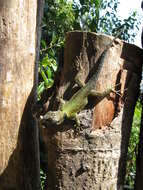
(19, 149)
(94, 158)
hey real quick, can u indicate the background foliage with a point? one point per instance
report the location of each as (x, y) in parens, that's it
(58, 19)
(61, 16)
(132, 149)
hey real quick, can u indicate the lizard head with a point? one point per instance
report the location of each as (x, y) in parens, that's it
(54, 117)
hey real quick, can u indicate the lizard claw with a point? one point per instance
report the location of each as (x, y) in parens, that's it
(116, 92)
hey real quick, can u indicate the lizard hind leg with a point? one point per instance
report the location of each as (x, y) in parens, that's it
(79, 82)
(102, 94)
(79, 76)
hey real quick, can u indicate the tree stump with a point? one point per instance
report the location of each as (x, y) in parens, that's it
(94, 157)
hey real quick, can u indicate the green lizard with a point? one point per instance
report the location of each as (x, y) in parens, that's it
(79, 100)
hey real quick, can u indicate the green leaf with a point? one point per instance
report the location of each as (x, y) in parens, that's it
(49, 72)
(40, 89)
(46, 81)
(43, 44)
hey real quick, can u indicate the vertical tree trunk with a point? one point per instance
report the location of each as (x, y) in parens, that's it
(19, 148)
(94, 157)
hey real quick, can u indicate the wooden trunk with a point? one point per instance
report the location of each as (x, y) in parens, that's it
(19, 148)
(94, 158)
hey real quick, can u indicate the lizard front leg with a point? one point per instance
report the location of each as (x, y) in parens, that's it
(77, 121)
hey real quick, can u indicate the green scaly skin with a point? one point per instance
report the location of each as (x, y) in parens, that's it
(80, 99)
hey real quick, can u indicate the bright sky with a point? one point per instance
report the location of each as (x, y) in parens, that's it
(124, 10)
(127, 6)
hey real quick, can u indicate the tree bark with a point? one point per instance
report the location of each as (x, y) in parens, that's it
(19, 147)
(94, 157)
